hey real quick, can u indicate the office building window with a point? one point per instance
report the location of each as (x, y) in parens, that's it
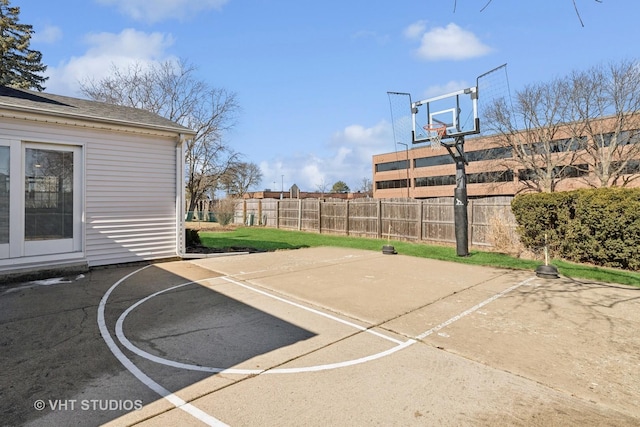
(492, 176)
(434, 181)
(425, 162)
(394, 183)
(392, 166)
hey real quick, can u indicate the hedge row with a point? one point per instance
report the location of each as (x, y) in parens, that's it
(596, 226)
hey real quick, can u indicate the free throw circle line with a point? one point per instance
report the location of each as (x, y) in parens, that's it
(187, 366)
(141, 376)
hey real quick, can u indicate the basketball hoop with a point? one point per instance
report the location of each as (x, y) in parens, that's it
(435, 133)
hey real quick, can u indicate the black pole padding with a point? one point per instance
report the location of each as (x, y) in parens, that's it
(461, 221)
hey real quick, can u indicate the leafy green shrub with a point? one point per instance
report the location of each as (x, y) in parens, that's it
(606, 228)
(598, 226)
(538, 214)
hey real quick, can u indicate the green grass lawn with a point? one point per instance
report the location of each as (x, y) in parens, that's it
(270, 239)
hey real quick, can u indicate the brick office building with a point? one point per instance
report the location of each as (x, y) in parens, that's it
(422, 172)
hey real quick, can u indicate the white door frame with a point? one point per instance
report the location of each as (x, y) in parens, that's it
(18, 246)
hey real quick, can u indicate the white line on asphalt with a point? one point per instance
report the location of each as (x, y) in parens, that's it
(472, 309)
(129, 365)
(132, 347)
(203, 416)
(319, 313)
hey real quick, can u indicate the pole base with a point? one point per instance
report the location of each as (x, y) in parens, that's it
(389, 250)
(547, 272)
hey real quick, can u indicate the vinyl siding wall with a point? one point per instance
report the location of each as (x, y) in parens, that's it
(130, 198)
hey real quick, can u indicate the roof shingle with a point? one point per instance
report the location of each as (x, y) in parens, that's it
(84, 109)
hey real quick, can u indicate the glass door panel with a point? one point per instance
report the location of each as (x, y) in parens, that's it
(48, 195)
(50, 201)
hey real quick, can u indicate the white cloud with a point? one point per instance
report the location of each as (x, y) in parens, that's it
(415, 30)
(105, 51)
(128, 43)
(49, 34)
(380, 39)
(314, 176)
(450, 43)
(449, 87)
(348, 159)
(160, 10)
(360, 135)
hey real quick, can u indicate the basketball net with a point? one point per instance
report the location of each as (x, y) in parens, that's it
(435, 134)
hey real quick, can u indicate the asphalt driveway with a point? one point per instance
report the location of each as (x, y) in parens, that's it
(321, 336)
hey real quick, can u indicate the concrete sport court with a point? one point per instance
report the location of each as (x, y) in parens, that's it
(321, 336)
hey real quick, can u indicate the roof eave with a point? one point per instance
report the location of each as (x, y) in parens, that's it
(88, 119)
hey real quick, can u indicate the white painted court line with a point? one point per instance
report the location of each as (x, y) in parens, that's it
(472, 309)
(146, 380)
(319, 313)
(167, 362)
(203, 416)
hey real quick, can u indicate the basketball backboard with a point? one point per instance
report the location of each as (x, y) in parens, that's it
(447, 116)
(451, 115)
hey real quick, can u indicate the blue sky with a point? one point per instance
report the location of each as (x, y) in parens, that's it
(312, 77)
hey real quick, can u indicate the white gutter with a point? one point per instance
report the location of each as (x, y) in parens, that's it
(180, 196)
(181, 248)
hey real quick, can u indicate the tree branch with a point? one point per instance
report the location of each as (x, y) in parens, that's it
(575, 7)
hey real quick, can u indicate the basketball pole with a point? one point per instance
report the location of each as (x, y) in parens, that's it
(460, 201)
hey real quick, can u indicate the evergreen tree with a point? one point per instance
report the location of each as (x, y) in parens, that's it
(20, 66)
(340, 187)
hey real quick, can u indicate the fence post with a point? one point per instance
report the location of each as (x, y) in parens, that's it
(379, 216)
(277, 213)
(299, 214)
(471, 221)
(419, 236)
(244, 211)
(346, 224)
(319, 216)
(260, 212)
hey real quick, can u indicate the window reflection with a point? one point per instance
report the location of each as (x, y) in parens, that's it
(48, 194)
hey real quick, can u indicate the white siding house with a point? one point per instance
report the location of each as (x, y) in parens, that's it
(85, 183)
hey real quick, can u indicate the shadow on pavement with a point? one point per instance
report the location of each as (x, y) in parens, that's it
(58, 370)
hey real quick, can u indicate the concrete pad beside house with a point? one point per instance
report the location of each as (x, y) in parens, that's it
(322, 336)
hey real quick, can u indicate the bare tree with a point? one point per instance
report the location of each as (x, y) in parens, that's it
(323, 186)
(171, 90)
(366, 186)
(606, 100)
(532, 129)
(240, 178)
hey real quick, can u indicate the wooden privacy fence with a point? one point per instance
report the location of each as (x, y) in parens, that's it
(399, 219)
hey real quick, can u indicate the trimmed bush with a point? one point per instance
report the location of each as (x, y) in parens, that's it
(606, 228)
(597, 226)
(540, 213)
